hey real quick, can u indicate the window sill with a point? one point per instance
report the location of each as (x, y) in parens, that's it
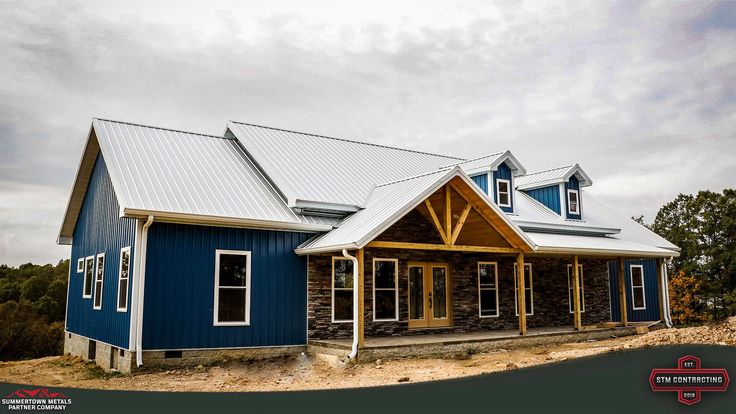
(231, 324)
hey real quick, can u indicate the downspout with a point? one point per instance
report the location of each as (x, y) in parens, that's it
(667, 314)
(141, 295)
(354, 349)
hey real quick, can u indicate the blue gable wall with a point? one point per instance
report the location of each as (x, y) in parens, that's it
(549, 196)
(573, 184)
(482, 181)
(179, 297)
(651, 313)
(503, 172)
(99, 229)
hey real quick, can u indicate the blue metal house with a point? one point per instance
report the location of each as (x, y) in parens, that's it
(186, 247)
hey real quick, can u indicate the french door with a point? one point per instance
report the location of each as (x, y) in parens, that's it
(429, 295)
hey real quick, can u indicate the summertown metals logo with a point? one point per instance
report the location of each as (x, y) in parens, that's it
(40, 399)
(689, 380)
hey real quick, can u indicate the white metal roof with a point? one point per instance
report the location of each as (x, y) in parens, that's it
(182, 174)
(530, 214)
(388, 203)
(552, 176)
(331, 171)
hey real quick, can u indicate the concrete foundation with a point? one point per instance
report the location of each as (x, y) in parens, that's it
(106, 356)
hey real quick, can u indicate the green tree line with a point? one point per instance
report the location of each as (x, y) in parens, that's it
(32, 310)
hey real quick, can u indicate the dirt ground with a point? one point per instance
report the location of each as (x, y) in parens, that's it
(309, 372)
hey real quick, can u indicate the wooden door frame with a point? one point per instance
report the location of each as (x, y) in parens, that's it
(428, 321)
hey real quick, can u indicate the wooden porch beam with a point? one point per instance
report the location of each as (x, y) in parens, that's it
(448, 247)
(436, 220)
(578, 323)
(521, 293)
(460, 223)
(622, 292)
(361, 298)
(448, 214)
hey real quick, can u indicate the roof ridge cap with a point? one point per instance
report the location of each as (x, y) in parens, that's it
(548, 170)
(161, 128)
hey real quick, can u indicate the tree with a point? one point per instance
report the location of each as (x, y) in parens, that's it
(685, 304)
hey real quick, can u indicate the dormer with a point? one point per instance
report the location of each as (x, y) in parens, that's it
(495, 175)
(559, 189)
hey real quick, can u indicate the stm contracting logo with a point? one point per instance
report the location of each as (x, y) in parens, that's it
(40, 399)
(689, 380)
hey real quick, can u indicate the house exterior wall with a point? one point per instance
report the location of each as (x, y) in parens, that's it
(549, 196)
(482, 181)
(651, 293)
(99, 229)
(180, 283)
(503, 172)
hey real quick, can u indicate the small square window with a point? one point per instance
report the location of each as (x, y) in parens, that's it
(80, 265)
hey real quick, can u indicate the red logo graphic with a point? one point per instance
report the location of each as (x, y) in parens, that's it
(37, 393)
(689, 380)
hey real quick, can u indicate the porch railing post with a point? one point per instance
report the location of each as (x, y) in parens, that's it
(521, 293)
(578, 323)
(361, 299)
(622, 292)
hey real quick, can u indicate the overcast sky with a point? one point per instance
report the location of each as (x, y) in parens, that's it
(642, 95)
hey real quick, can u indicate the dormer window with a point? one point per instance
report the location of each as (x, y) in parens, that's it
(503, 193)
(573, 202)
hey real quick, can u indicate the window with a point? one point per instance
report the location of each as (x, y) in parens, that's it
(528, 289)
(573, 202)
(342, 290)
(503, 193)
(639, 302)
(89, 273)
(80, 265)
(123, 279)
(385, 290)
(571, 289)
(488, 289)
(99, 279)
(232, 287)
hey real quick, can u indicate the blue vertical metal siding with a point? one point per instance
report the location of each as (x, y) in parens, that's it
(482, 181)
(503, 172)
(549, 196)
(651, 313)
(573, 184)
(99, 229)
(180, 280)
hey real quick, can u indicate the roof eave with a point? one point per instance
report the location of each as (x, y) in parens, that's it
(524, 225)
(604, 252)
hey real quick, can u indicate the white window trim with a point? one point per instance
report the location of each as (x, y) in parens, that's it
(530, 287)
(247, 288)
(577, 194)
(84, 281)
(102, 281)
(498, 192)
(495, 268)
(80, 265)
(396, 289)
(643, 288)
(332, 307)
(123, 308)
(570, 288)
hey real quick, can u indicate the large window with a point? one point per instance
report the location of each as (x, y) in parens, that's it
(528, 289)
(571, 288)
(99, 280)
(124, 279)
(638, 299)
(385, 290)
(342, 290)
(573, 202)
(488, 289)
(503, 192)
(232, 287)
(89, 274)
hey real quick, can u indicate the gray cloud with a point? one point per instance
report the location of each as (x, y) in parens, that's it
(643, 95)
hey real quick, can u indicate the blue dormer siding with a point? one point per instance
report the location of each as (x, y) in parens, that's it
(549, 196)
(504, 173)
(482, 181)
(573, 184)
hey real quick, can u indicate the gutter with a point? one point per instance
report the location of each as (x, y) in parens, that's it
(665, 288)
(354, 349)
(141, 294)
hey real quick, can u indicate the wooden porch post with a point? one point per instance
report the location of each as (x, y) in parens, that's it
(622, 292)
(521, 293)
(660, 291)
(578, 323)
(361, 299)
